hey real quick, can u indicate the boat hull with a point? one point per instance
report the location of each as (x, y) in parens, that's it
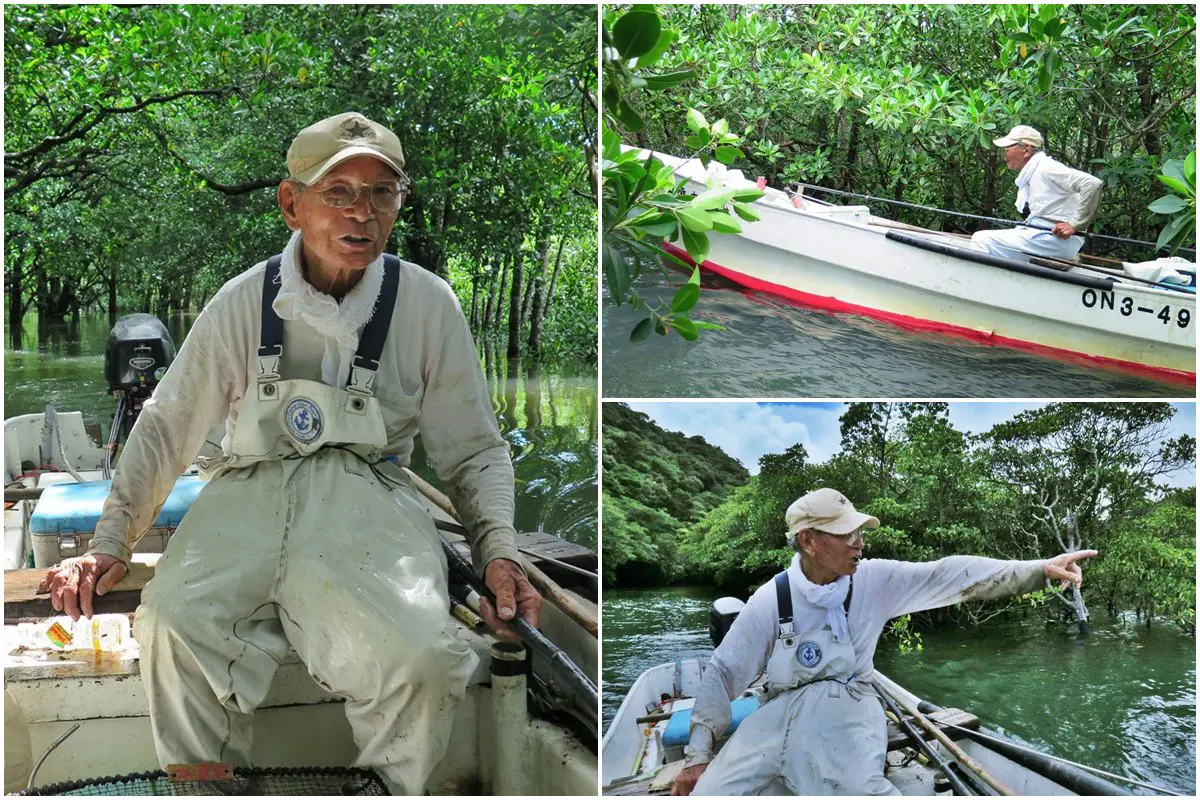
(833, 258)
(633, 755)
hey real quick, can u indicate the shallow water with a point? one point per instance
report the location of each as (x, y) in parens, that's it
(776, 348)
(1122, 700)
(547, 414)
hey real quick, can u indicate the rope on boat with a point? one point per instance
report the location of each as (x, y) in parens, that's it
(1097, 770)
(934, 209)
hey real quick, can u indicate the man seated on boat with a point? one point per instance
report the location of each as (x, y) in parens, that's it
(823, 731)
(1056, 200)
(324, 363)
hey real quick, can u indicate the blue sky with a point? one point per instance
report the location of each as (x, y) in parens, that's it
(747, 430)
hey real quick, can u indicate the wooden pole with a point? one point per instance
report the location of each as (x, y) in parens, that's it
(540, 580)
(954, 749)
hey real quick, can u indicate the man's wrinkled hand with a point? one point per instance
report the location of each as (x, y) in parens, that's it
(514, 594)
(686, 780)
(1065, 569)
(73, 583)
(1063, 230)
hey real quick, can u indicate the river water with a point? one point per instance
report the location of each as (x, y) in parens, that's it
(547, 413)
(776, 348)
(1123, 700)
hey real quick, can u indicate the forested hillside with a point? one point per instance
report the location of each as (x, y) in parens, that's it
(655, 483)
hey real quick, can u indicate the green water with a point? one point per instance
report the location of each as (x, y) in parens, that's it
(547, 413)
(1123, 700)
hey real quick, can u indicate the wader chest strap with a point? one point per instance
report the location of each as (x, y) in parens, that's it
(374, 335)
(270, 342)
(783, 595)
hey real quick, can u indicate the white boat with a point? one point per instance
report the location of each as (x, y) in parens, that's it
(643, 744)
(844, 259)
(500, 744)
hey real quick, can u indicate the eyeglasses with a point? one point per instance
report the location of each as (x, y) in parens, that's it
(848, 539)
(386, 197)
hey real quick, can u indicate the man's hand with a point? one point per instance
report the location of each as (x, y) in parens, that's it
(686, 780)
(72, 583)
(513, 593)
(1063, 230)
(1063, 568)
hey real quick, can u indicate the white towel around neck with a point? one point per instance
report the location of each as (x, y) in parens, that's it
(1023, 178)
(830, 596)
(340, 323)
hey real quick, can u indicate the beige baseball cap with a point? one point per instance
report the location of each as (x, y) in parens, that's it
(323, 145)
(1021, 134)
(826, 510)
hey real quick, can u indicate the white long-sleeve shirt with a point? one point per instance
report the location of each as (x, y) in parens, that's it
(1061, 194)
(883, 590)
(429, 380)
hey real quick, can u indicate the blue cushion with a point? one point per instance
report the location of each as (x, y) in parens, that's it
(679, 727)
(74, 508)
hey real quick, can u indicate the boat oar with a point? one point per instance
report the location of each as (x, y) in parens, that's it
(971, 764)
(956, 782)
(1058, 263)
(575, 679)
(981, 218)
(540, 580)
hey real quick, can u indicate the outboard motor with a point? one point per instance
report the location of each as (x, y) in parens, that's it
(721, 615)
(139, 351)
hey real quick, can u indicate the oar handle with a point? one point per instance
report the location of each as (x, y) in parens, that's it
(571, 674)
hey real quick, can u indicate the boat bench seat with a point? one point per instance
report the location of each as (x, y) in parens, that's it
(74, 508)
(679, 727)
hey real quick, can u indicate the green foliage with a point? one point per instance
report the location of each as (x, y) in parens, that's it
(903, 101)
(144, 145)
(908, 639)
(1180, 207)
(1066, 476)
(1149, 562)
(642, 202)
(655, 483)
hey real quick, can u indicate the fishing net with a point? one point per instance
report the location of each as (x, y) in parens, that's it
(252, 781)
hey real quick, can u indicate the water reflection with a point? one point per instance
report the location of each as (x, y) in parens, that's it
(547, 413)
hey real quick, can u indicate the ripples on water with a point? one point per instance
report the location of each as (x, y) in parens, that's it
(775, 348)
(1122, 700)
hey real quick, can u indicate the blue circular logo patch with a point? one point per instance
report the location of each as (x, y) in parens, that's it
(808, 654)
(303, 420)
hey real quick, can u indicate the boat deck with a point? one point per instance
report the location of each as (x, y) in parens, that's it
(908, 773)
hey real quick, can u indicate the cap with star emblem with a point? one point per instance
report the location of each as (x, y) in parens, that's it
(826, 510)
(319, 147)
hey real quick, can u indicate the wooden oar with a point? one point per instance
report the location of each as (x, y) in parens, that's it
(1062, 263)
(540, 580)
(974, 766)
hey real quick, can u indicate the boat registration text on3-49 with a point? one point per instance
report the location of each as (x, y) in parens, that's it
(1127, 307)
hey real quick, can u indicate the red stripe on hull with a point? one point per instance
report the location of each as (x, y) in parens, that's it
(930, 326)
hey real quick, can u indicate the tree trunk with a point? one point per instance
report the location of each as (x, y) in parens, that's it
(1146, 100)
(541, 302)
(514, 307)
(501, 285)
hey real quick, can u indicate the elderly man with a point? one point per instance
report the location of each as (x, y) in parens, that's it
(1056, 200)
(812, 633)
(324, 363)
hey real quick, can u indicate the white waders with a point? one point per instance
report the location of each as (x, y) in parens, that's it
(819, 733)
(1020, 243)
(299, 542)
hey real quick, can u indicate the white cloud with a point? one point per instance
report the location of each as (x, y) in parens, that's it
(747, 430)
